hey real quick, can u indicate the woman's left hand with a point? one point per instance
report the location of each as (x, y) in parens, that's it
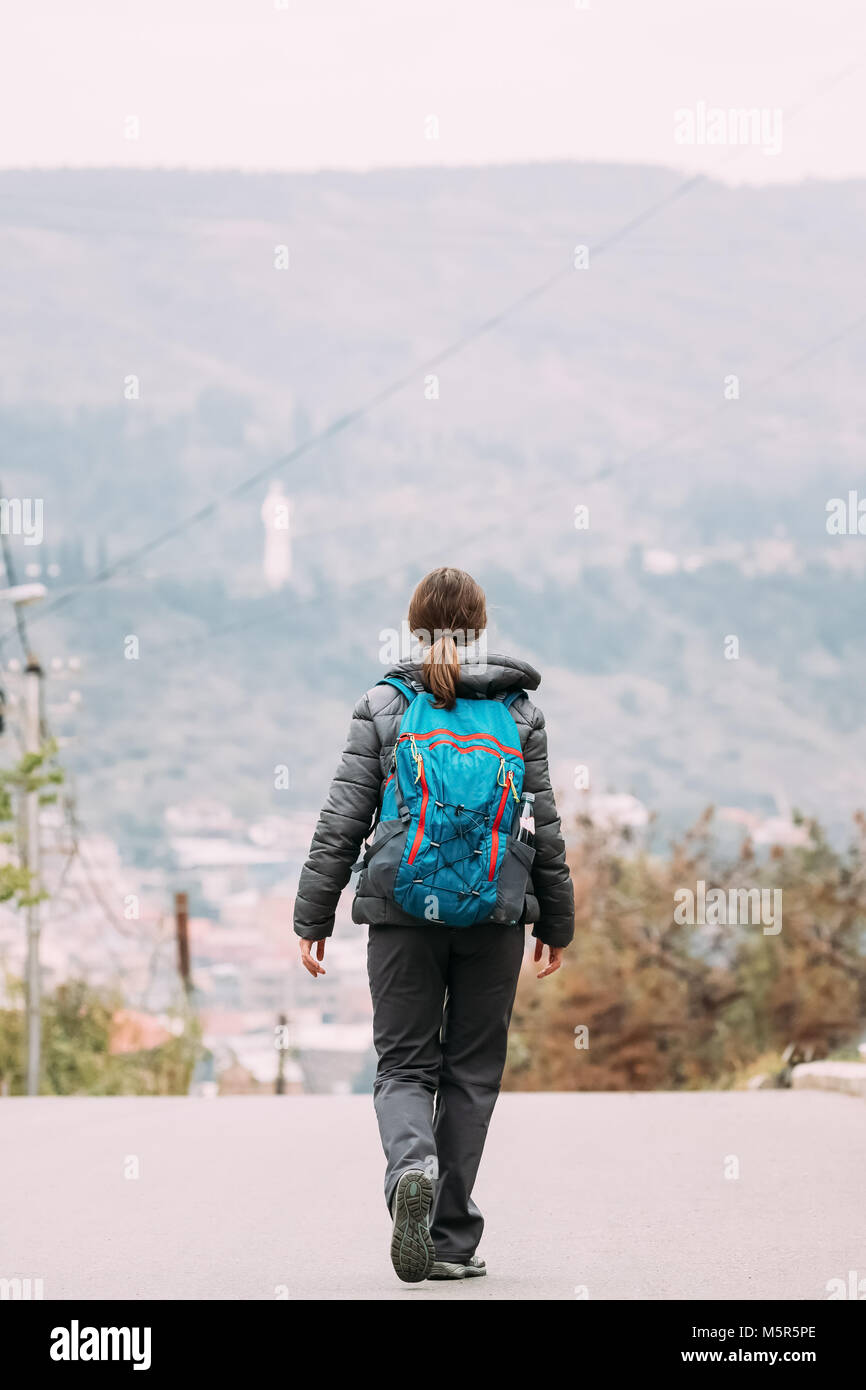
(554, 958)
(307, 956)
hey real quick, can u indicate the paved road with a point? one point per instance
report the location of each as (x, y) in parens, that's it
(624, 1196)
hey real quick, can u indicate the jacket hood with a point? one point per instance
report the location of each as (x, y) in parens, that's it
(489, 678)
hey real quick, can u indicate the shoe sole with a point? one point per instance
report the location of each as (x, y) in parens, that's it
(465, 1274)
(412, 1252)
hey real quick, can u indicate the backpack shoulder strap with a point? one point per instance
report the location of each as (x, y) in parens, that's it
(507, 697)
(409, 688)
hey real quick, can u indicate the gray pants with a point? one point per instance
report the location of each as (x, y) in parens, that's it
(442, 999)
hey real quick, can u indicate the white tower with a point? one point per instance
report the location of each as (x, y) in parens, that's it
(276, 515)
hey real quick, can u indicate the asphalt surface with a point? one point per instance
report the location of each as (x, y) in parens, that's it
(586, 1196)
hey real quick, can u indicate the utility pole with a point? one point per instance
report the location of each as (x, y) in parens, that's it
(33, 744)
(20, 595)
(181, 922)
(280, 1087)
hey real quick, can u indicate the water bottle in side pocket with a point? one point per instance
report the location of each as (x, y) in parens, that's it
(526, 822)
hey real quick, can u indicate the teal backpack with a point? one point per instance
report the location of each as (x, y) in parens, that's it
(442, 848)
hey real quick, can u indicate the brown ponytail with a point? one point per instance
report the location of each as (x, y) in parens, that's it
(448, 610)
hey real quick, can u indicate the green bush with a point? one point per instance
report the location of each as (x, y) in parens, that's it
(76, 1060)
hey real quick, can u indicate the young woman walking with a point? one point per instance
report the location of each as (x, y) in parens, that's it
(446, 766)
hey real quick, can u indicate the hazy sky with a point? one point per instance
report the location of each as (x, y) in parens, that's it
(310, 84)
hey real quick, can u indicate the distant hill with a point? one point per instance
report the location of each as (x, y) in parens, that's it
(608, 391)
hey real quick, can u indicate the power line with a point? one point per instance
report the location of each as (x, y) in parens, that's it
(287, 604)
(689, 426)
(96, 892)
(351, 417)
(359, 412)
(46, 735)
(335, 428)
(9, 563)
(672, 436)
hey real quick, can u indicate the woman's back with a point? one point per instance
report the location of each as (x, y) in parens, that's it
(439, 753)
(363, 772)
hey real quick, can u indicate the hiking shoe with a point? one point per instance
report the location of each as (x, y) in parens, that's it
(412, 1252)
(443, 1269)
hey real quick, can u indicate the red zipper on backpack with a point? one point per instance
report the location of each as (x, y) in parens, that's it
(419, 833)
(476, 748)
(494, 839)
(432, 732)
(500, 811)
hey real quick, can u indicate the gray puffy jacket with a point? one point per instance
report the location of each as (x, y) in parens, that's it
(354, 799)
